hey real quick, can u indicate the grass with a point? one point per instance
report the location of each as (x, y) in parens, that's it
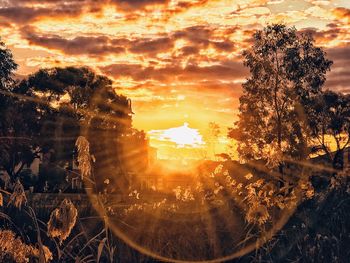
(194, 224)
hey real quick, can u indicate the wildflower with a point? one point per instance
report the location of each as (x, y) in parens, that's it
(177, 192)
(18, 196)
(310, 193)
(251, 190)
(47, 253)
(248, 176)
(12, 249)
(84, 157)
(199, 187)
(259, 183)
(135, 193)
(291, 200)
(233, 182)
(307, 188)
(218, 188)
(187, 195)
(218, 169)
(257, 214)
(62, 220)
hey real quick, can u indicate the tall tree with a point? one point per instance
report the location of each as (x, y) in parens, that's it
(286, 71)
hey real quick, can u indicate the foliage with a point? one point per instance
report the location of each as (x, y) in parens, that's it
(329, 118)
(12, 249)
(7, 67)
(18, 196)
(84, 158)
(15, 130)
(286, 71)
(74, 101)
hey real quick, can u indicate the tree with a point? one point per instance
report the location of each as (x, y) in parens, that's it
(329, 118)
(286, 71)
(15, 143)
(74, 101)
(7, 67)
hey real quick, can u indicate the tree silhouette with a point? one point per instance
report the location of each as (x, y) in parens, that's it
(76, 100)
(15, 133)
(47, 110)
(329, 118)
(286, 71)
(7, 67)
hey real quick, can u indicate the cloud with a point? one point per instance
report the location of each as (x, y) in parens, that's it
(152, 45)
(100, 45)
(339, 77)
(4, 24)
(189, 50)
(202, 37)
(197, 38)
(342, 12)
(333, 32)
(137, 4)
(24, 11)
(22, 14)
(198, 35)
(221, 71)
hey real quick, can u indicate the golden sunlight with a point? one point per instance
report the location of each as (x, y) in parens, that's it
(183, 136)
(174, 131)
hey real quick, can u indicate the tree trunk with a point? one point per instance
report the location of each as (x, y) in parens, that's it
(338, 159)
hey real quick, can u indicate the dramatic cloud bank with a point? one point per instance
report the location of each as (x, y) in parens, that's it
(179, 60)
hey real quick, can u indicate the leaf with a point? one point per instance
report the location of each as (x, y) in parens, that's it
(100, 249)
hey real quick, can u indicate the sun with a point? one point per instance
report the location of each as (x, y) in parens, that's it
(183, 136)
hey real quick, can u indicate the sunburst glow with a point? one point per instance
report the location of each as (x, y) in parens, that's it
(182, 136)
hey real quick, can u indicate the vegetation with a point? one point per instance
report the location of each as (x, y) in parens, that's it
(287, 72)
(279, 204)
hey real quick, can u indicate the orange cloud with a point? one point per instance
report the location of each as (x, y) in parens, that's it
(179, 60)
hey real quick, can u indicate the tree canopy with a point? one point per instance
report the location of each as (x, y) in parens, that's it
(7, 67)
(76, 100)
(329, 119)
(15, 144)
(48, 110)
(286, 71)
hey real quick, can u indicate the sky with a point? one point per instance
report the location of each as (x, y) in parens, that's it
(178, 60)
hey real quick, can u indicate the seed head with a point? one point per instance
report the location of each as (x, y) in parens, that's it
(62, 220)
